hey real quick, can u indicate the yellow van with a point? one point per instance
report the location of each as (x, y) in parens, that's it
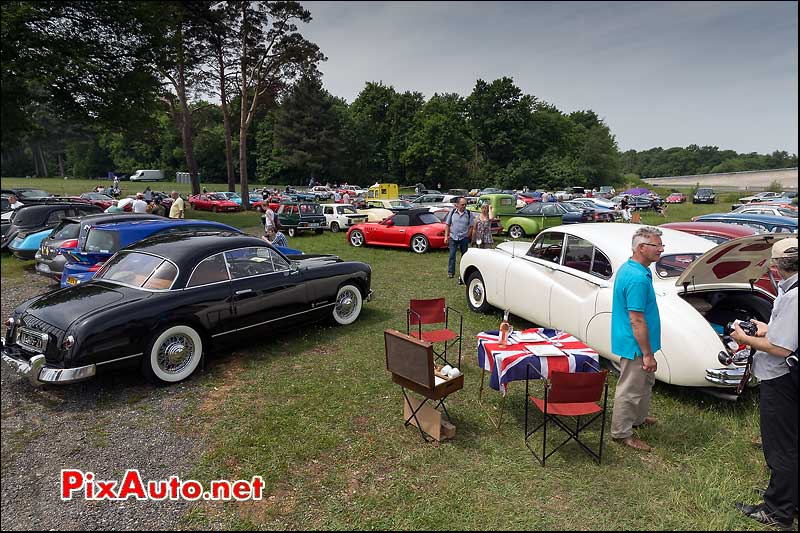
(383, 191)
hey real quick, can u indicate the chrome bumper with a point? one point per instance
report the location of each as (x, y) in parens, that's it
(727, 377)
(38, 373)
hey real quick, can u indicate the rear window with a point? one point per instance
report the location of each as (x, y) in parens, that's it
(102, 241)
(139, 270)
(428, 218)
(66, 230)
(310, 209)
(672, 266)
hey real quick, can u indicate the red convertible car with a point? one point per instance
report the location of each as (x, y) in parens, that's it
(418, 229)
(212, 202)
(720, 232)
(676, 198)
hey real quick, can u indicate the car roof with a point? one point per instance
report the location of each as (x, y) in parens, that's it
(188, 249)
(614, 239)
(720, 228)
(159, 223)
(751, 217)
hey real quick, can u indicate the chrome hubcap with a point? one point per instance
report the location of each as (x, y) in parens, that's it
(356, 239)
(419, 245)
(476, 292)
(346, 304)
(516, 232)
(175, 353)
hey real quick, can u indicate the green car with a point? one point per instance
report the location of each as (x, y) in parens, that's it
(300, 216)
(526, 222)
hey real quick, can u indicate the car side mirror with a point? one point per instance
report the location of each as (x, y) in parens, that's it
(388, 223)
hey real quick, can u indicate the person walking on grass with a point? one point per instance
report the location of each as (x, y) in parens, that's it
(458, 233)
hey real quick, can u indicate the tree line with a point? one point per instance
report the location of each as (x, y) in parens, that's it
(658, 162)
(231, 92)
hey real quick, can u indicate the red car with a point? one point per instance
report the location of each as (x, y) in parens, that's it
(676, 198)
(720, 232)
(272, 201)
(212, 202)
(418, 229)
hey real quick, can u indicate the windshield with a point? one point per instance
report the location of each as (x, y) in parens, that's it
(787, 212)
(32, 193)
(216, 197)
(704, 191)
(349, 209)
(572, 207)
(400, 203)
(65, 230)
(96, 196)
(139, 270)
(672, 266)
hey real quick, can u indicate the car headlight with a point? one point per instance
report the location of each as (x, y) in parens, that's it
(69, 342)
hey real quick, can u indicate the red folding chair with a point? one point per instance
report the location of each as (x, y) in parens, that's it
(568, 395)
(429, 313)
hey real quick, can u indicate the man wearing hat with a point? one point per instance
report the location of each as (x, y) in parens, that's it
(773, 343)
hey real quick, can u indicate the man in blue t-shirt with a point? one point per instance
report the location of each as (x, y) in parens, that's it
(635, 337)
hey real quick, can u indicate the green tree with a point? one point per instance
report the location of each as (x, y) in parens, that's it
(306, 137)
(439, 143)
(272, 54)
(372, 130)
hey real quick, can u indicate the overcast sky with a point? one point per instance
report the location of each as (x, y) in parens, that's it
(659, 74)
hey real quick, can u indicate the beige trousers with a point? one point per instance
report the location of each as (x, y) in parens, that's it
(632, 398)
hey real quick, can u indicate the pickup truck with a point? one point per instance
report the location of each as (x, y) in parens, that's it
(533, 218)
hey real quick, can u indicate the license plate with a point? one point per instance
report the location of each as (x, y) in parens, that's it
(313, 225)
(71, 280)
(31, 340)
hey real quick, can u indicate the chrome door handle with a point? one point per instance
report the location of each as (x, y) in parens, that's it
(244, 291)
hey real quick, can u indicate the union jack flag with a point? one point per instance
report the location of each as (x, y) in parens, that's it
(509, 363)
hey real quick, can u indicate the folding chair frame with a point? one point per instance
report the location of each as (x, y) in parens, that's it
(415, 411)
(441, 354)
(573, 435)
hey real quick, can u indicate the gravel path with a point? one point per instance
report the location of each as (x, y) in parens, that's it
(106, 425)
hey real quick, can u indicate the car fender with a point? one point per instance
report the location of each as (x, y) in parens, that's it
(531, 225)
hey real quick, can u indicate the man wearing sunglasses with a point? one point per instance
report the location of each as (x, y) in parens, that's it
(778, 381)
(635, 338)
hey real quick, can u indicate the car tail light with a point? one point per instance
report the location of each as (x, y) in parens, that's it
(72, 243)
(96, 267)
(440, 234)
(9, 323)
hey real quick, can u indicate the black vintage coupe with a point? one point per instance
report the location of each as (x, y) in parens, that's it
(159, 303)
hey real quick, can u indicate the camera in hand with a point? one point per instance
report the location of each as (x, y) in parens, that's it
(749, 328)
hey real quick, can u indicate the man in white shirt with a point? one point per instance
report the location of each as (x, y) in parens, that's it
(139, 205)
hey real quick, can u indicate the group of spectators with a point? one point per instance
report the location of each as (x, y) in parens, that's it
(149, 202)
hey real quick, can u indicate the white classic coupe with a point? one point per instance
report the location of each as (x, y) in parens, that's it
(565, 278)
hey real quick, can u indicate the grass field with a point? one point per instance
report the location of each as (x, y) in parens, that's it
(313, 410)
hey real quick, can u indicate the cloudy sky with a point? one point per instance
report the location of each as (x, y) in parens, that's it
(659, 74)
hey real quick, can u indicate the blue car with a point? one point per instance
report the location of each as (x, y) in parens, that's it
(232, 196)
(762, 223)
(101, 241)
(24, 246)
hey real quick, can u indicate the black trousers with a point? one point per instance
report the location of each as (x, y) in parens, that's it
(779, 440)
